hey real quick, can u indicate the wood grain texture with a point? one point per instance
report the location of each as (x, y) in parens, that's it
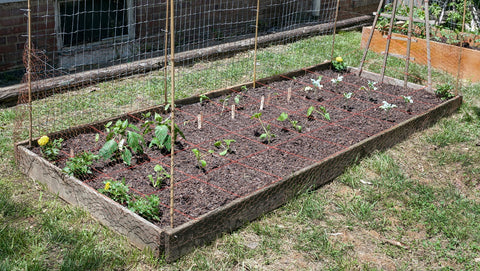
(443, 56)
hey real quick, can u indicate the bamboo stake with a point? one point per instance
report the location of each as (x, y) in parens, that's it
(256, 45)
(429, 58)
(165, 65)
(172, 106)
(365, 52)
(389, 37)
(409, 43)
(457, 85)
(334, 30)
(29, 74)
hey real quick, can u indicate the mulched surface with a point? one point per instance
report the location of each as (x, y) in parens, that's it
(253, 164)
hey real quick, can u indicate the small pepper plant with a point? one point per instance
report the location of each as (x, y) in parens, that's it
(323, 112)
(267, 135)
(122, 143)
(284, 116)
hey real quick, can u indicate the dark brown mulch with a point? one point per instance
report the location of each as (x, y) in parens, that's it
(252, 163)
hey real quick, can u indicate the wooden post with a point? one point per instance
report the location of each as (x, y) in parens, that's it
(29, 74)
(427, 36)
(365, 52)
(256, 45)
(389, 37)
(172, 106)
(409, 43)
(165, 48)
(457, 85)
(334, 30)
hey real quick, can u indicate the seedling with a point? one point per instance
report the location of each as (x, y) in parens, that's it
(161, 174)
(267, 135)
(162, 138)
(337, 81)
(121, 143)
(407, 99)
(316, 83)
(370, 87)
(284, 117)
(225, 145)
(224, 102)
(80, 165)
(237, 99)
(118, 191)
(201, 163)
(203, 98)
(322, 111)
(387, 107)
(146, 207)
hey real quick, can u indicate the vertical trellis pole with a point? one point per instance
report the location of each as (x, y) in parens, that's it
(256, 45)
(365, 52)
(389, 38)
(457, 85)
(409, 42)
(29, 74)
(427, 34)
(334, 30)
(172, 106)
(165, 45)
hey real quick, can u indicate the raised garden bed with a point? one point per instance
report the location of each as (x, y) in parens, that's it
(443, 56)
(257, 176)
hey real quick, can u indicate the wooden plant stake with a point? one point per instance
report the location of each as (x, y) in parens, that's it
(262, 101)
(200, 120)
(269, 97)
(233, 111)
(289, 95)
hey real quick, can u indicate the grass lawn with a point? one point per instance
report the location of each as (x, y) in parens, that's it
(413, 207)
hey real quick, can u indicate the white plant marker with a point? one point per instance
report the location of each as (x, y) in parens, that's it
(233, 111)
(289, 95)
(200, 120)
(262, 102)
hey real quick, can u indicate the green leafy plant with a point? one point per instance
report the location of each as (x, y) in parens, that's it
(121, 143)
(80, 165)
(160, 175)
(370, 87)
(225, 145)
(339, 64)
(323, 112)
(337, 81)
(267, 135)
(284, 116)
(203, 98)
(162, 128)
(444, 91)
(147, 207)
(50, 149)
(387, 107)
(316, 83)
(200, 161)
(118, 191)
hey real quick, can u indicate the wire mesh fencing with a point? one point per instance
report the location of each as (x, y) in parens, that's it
(110, 68)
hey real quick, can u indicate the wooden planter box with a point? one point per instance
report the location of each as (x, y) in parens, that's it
(175, 242)
(443, 56)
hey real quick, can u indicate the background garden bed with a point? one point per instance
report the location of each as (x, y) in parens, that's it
(443, 56)
(250, 204)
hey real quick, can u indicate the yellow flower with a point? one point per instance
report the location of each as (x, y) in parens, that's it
(339, 59)
(43, 140)
(107, 186)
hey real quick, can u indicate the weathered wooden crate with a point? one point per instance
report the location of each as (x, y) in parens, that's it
(175, 242)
